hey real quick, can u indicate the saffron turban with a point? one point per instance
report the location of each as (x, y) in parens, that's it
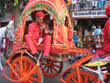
(40, 14)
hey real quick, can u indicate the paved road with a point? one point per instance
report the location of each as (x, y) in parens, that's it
(46, 79)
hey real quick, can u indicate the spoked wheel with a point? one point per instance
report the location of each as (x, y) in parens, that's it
(22, 69)
(86, 77)
(51, 68)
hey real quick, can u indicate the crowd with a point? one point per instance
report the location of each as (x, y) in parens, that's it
(87, 4)
(92, 38)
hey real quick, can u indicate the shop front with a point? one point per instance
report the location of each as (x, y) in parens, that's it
(86, 19)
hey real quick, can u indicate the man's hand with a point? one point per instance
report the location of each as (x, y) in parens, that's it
(42, 27)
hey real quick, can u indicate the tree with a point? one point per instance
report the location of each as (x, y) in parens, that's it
(14, 7)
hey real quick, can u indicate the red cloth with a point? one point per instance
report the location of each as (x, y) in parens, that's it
(107, 11)
(106, 43)
(33, 36)
(40, 14)
(100, 52)
(12, 17)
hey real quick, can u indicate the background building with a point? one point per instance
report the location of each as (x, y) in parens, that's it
(86, 13)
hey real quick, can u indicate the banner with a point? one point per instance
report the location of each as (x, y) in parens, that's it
(90, 14)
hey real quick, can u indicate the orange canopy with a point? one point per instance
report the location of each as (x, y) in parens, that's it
(62, 35)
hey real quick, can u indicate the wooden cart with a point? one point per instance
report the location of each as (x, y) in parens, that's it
(23, 67)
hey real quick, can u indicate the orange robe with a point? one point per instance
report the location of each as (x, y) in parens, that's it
(33, 36)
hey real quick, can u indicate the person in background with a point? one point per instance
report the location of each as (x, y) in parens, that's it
(73, 4)
(82, 3)
(93, 30)
(86, 33)
(98, 31)
(86, 37)
(93, 26)
(100, 4)
(94, 4)
(75, 38)
(38, 31)
(93, 36)
(103, 3)
(88, 3)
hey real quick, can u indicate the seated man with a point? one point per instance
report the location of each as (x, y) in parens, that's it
(36, 31)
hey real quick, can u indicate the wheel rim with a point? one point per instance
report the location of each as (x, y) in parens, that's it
(51, 68)
(86, 77)
(27, 66)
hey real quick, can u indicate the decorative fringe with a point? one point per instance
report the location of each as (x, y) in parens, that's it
(49, 8)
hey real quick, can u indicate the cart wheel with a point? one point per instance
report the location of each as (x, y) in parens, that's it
(22, 71)
(86, 77)
(51, 68)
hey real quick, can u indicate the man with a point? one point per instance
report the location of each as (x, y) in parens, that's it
(73, 4)
(88, 3)
(94, 4)
(36, 31)
(106, 43)
(105, 51)
(98, 30)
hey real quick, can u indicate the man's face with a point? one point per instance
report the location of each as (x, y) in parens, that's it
(99, 27)
(39, 20)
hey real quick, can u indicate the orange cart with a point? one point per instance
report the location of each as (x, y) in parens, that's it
(25, 69)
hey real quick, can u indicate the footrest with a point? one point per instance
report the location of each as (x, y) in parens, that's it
(97, 63)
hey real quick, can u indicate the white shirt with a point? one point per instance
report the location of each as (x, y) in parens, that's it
(74, 1)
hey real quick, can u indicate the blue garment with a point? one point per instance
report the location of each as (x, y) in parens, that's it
(98, 31)
(100, 4)
(86, 33)
(75, 39)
